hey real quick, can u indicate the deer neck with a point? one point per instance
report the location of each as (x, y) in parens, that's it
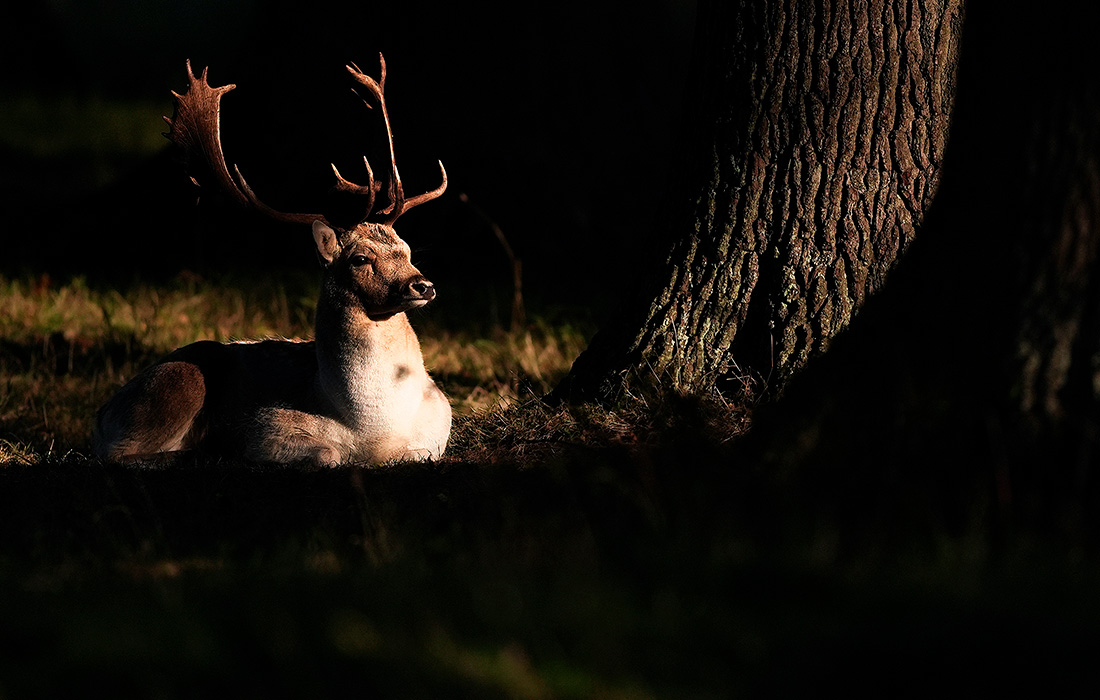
(361, 363)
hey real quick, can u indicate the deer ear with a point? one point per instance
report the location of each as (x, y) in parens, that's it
(327, 245)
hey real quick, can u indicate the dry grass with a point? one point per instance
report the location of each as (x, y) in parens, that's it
(503, 367)
(531, 429)
(65, 348)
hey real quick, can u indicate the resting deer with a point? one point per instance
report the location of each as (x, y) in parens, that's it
(357, 392)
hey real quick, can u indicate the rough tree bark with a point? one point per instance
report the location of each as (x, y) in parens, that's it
(819, 131)
(975, 377)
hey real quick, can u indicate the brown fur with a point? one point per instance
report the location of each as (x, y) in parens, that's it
(358, 393)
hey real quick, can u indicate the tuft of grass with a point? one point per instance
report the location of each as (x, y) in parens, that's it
(15, 453)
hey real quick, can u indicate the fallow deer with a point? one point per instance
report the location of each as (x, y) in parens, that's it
(357, 392)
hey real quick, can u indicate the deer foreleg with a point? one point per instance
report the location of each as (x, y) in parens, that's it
(286, 435)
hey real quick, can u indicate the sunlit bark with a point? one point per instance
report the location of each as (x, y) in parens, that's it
(813, 153)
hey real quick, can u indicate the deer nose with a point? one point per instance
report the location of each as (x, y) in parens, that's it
(422, 288)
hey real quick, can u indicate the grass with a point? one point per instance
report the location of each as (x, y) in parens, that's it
(556, 552)
(65, 348)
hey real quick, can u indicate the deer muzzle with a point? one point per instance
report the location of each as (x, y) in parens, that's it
(419, 289)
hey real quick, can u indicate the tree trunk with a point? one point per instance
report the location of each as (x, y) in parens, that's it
(972, 387)
(819, 129)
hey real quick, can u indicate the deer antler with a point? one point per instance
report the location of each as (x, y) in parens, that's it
(195, 128)
(399, 204)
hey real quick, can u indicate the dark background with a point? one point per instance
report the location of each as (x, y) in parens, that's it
(561, 125)
(558, 121)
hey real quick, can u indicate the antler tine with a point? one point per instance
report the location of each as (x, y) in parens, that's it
(345, 186)
(398, 204)
(195, 128)
(428, 196)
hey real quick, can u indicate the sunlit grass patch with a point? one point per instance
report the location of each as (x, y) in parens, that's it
(502, 367)
(65, 348)
(160, 317)
(16, 453)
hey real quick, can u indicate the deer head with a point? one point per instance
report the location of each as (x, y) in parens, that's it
(367, 261)
(371, 267)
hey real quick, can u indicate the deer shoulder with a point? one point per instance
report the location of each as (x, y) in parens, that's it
(358, 392)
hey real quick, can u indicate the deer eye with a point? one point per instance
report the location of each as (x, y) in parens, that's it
(358, 260)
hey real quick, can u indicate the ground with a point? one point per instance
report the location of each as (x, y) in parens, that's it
(555, 552)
